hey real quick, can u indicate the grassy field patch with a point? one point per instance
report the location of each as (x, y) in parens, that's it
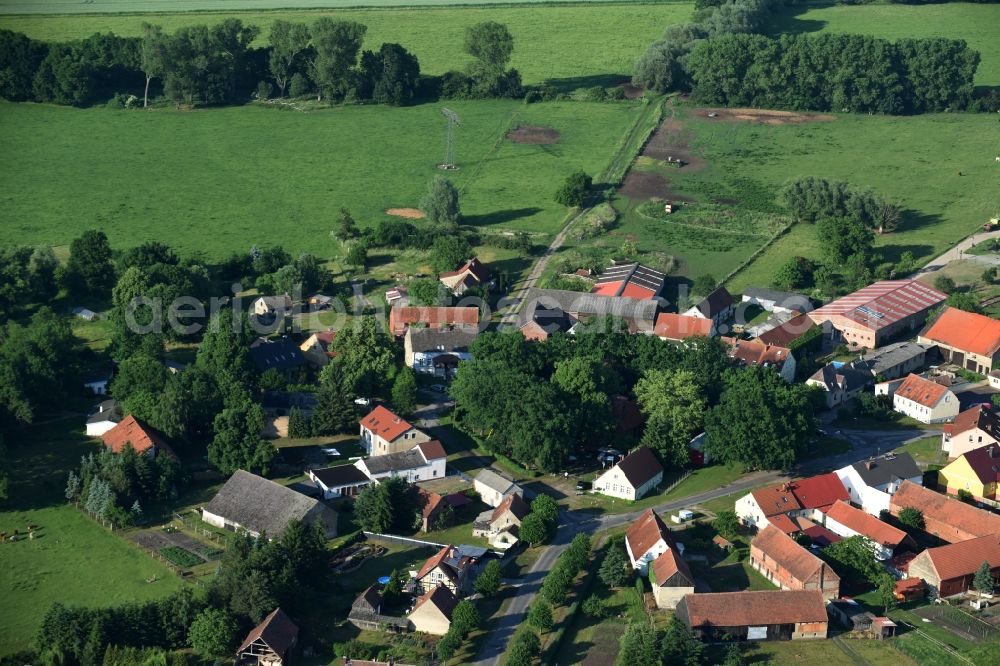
(605, 39)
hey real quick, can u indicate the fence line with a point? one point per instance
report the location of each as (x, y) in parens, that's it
(403, 541)
(192, 525)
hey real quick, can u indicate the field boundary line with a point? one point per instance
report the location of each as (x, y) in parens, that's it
(849, 651)
(759, 251)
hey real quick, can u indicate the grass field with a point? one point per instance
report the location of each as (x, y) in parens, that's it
(72, 560)
(221, 180)
(604, 39)
(975, 23)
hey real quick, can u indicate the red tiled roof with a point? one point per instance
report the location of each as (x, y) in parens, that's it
(640, 466)
(669, 563)
(385, 424)
(980, 416)
(776, 500)
(435, 560)
(946, 513)
(277, 630)
(428, 501)
(472, 266)
(881, 304)
(784, 523)
(432, 450)
(787, 333)
(131, 431)
(514, 504)
(963, 558)
(985, 462)
(967, 331)
(751, 352)
(401, 317)
(784, 550)
(819, 492)
(866, 524)
(909, 584)
(629, 280)
(820, 535)
(921, 391)
(678, 327)
(645, 532)
(741, 609)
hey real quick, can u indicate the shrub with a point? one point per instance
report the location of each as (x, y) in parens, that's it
(594, 607)
(574, 191)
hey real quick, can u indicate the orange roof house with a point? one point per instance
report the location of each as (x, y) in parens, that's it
(949, 570)
(646, 539)
(780, 559)
(677, 327)
(944, 517)
(870, 316)
(787, 504)
(925, 401)
(973, 428)
(472, 274)
(752, 352)
(671, 579)
(783, 335)
(967, 339)
(400, 318)
(787, 614)
(143, 439)
(847, 521)
(631, 280)
(383, 432)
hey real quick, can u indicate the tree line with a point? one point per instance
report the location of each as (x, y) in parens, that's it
(722, 59)
(219, 64)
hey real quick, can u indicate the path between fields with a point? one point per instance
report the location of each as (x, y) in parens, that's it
(572, 522)
(958, 252)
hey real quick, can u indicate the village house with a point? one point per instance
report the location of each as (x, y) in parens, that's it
(946, 518)
(771, 615)
(873, 315)
(431, 613)
(423, 462)
(976, 471)
(472, 274)
(630, 280)
(279, 354)
(894, 361)
(250, 503)
(453, 567)
(317, 348)
(781, 332)
(97, 382)
(967, 339)
(884, 539)
(272, 306)
(751, 353)
(401, 318)
(780, 559)
(773, 300)
(383, 432)
(925, 401)
(143, 439)
(841, 382)
(677, 328)
(949, 570)
(270, 642)
(494, 488)
(366, 613)
(671, 579)
(784, 504)
(852, 615)
(318, 302)
(870, 483)
(717, 306)
(433, 507)
(546, 311)
(646, 539)
(339, 481)
(433, 351)
(974, 428)
(634, 476)
(500, 525)
(105, 416)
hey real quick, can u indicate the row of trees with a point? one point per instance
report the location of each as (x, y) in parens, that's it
(217, 64)
(857, 73)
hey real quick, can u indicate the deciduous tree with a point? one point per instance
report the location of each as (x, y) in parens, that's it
(675, 409)
(440, 205)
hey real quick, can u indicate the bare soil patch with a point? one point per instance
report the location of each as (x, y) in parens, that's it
(649, 185)
(156, 539)
(672, 142)
(533, 134)
(409, 213)
(765, 116)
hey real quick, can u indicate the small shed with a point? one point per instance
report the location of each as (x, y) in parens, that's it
(270, 641)
(722, 542)
(910, 589)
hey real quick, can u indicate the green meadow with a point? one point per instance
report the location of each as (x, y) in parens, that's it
(220, 180)
(563, 43)
(978, 24)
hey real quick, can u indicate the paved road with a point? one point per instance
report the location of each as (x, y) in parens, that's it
(958, 252)
(866, 443)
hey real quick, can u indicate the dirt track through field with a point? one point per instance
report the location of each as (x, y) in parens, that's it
(764, 116)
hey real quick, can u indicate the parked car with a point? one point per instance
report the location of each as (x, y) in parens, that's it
(584, 485)
(330, 451)
(439, 388)
(364, 402)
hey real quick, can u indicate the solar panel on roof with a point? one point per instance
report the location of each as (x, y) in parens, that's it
(864, 309)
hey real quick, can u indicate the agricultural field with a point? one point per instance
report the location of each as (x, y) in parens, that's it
(221, 180)
(973, 22)
(735, 164)
(604, 39)
(72, 559)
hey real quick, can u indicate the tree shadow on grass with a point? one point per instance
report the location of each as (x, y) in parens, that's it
(893, 253)
(500, 216)
(569, 84)
(787, 21)
(910, 219)
(39, 458)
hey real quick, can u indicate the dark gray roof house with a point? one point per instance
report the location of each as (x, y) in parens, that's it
(847, 378)
(554, 304)
(251, 503)
(892, 467)
(640, 466)
(441, 339)
(280, 354)
(896, 360)
(716, 304)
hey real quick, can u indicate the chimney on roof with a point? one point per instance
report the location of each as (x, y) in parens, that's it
(991, 451)
(870, 464)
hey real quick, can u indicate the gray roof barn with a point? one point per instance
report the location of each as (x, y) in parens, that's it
(395, 462)
(640, 313)
(259, 505)
(494, 481)
(441, 339)
(882, 360)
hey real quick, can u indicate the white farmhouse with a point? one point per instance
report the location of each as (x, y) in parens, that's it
(646, 539)
(423, 462)
(493, 489)
(634, 476)
(383, 432)
(925, 401)
(105, 416)
(870, 483)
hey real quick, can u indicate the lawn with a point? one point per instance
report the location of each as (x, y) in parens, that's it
(72, 559)
(926, 451)
(220, 180)
(975, 23)
(600, 41)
